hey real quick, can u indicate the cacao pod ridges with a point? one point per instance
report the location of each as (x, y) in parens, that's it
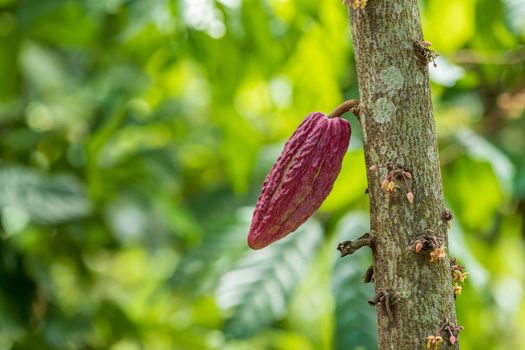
(301, 178)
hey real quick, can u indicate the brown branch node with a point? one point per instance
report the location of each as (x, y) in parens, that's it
(424, 54)
(385, 298)
(369, 275)
(350, 247)
(447, 215)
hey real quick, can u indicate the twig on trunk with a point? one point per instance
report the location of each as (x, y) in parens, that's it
(350, 247)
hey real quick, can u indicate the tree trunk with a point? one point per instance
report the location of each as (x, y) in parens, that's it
(398, 132)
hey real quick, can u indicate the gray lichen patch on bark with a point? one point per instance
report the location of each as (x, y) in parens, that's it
(384, 110)
(392, 80)
(420, 78)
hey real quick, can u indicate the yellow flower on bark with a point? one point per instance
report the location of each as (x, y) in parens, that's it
(434, 341)
(356, 4)
(438, 253)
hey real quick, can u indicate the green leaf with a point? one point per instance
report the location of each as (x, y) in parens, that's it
(220, 249)
(449, 24)
(459, 248)
(240, 146)
(479, 148)
(256, 293)
(473, 192)
(9, 59)
(515, 14)
(56, 23)
(46, 199)
(14, 218)
(355, 320)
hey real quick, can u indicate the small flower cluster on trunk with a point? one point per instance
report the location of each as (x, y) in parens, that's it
(459, 275)
(448, 330)
(398, 173)
(356, 4)
(429, 244)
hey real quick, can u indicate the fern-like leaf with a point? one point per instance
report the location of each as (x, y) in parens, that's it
(43, 199)
(202, 266)
(257, 291)
(355, 320)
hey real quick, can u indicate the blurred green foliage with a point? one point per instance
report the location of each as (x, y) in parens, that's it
(134, 139)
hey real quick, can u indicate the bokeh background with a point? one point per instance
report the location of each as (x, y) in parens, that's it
(134, 139)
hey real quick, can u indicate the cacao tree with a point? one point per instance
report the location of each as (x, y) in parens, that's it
(396, 117)
(409, 222)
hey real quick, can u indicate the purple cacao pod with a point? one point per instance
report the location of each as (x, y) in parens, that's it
(301, 179)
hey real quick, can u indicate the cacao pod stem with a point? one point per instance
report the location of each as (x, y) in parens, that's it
(349, 105)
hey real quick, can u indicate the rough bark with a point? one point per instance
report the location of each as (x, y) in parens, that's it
(398, 128)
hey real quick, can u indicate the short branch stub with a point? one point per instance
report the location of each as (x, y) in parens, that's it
(350, 247)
